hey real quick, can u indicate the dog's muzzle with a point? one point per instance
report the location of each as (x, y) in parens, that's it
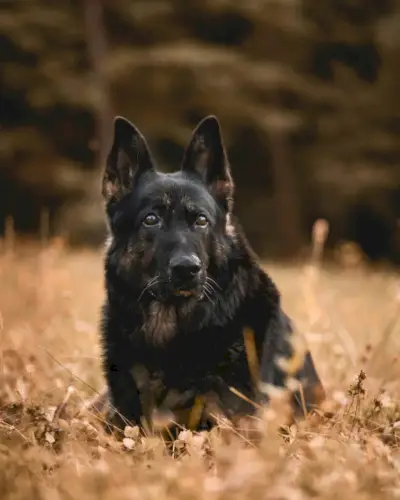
(184, 274)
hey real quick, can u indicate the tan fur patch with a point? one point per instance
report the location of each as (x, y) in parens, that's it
(160, 323)
(229, 228)
(110, 189)
(223, 187)
(128, 256)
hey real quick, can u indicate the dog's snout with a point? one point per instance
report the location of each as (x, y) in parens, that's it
(184, 268)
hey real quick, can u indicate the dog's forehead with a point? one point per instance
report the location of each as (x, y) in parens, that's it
(176, 189)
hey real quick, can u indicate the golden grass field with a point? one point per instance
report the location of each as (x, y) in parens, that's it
(49, 353)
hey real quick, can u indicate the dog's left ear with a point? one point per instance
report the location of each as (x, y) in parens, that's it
(206, 156)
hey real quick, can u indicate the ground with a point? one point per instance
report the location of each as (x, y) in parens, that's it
(50, 363)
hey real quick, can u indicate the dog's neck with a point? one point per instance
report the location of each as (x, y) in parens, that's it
(160, 322)
(163, 321)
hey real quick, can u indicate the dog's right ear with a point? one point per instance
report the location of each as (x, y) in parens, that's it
(128, 158)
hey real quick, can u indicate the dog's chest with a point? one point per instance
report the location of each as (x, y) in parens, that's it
(174, 384)
(183, 369)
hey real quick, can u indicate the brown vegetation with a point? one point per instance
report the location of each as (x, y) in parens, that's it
(49, 364)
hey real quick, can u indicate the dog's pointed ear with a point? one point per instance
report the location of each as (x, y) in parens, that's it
(129, 156)
(206, 155)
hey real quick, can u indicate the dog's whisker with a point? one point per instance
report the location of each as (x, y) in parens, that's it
(210, 283)
(150, 282)
(154, 281)
(209, 298)
(213, 282)
(208, 288)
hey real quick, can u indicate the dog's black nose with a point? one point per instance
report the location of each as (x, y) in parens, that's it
(184, 269)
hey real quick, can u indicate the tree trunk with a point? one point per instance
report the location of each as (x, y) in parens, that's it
(286, 197)
(97, 49)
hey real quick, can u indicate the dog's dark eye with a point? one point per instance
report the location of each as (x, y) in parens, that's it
(151, 220)
(201, 221)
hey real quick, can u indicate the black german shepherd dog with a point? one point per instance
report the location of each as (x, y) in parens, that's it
(182, 284)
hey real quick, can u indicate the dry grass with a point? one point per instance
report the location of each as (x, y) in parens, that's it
(49, 309)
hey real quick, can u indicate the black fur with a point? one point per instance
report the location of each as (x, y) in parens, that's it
(182, 283)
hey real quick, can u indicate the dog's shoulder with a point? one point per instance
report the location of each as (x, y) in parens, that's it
(259, 289)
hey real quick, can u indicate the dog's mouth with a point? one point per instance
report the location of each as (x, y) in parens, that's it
(184, 293)
(192, 292)
(189, 290)
(176, 295)
(165, 291)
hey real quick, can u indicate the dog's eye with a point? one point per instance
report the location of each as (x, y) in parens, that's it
(201, 221)
(151, 220)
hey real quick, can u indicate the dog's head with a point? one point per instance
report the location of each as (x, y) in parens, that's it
(167, 228)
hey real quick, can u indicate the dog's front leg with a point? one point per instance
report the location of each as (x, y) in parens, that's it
(124, 393)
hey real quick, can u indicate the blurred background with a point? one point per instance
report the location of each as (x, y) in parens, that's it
(307, 93)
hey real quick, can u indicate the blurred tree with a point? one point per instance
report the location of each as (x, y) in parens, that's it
(97, 48)
(307, 93)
